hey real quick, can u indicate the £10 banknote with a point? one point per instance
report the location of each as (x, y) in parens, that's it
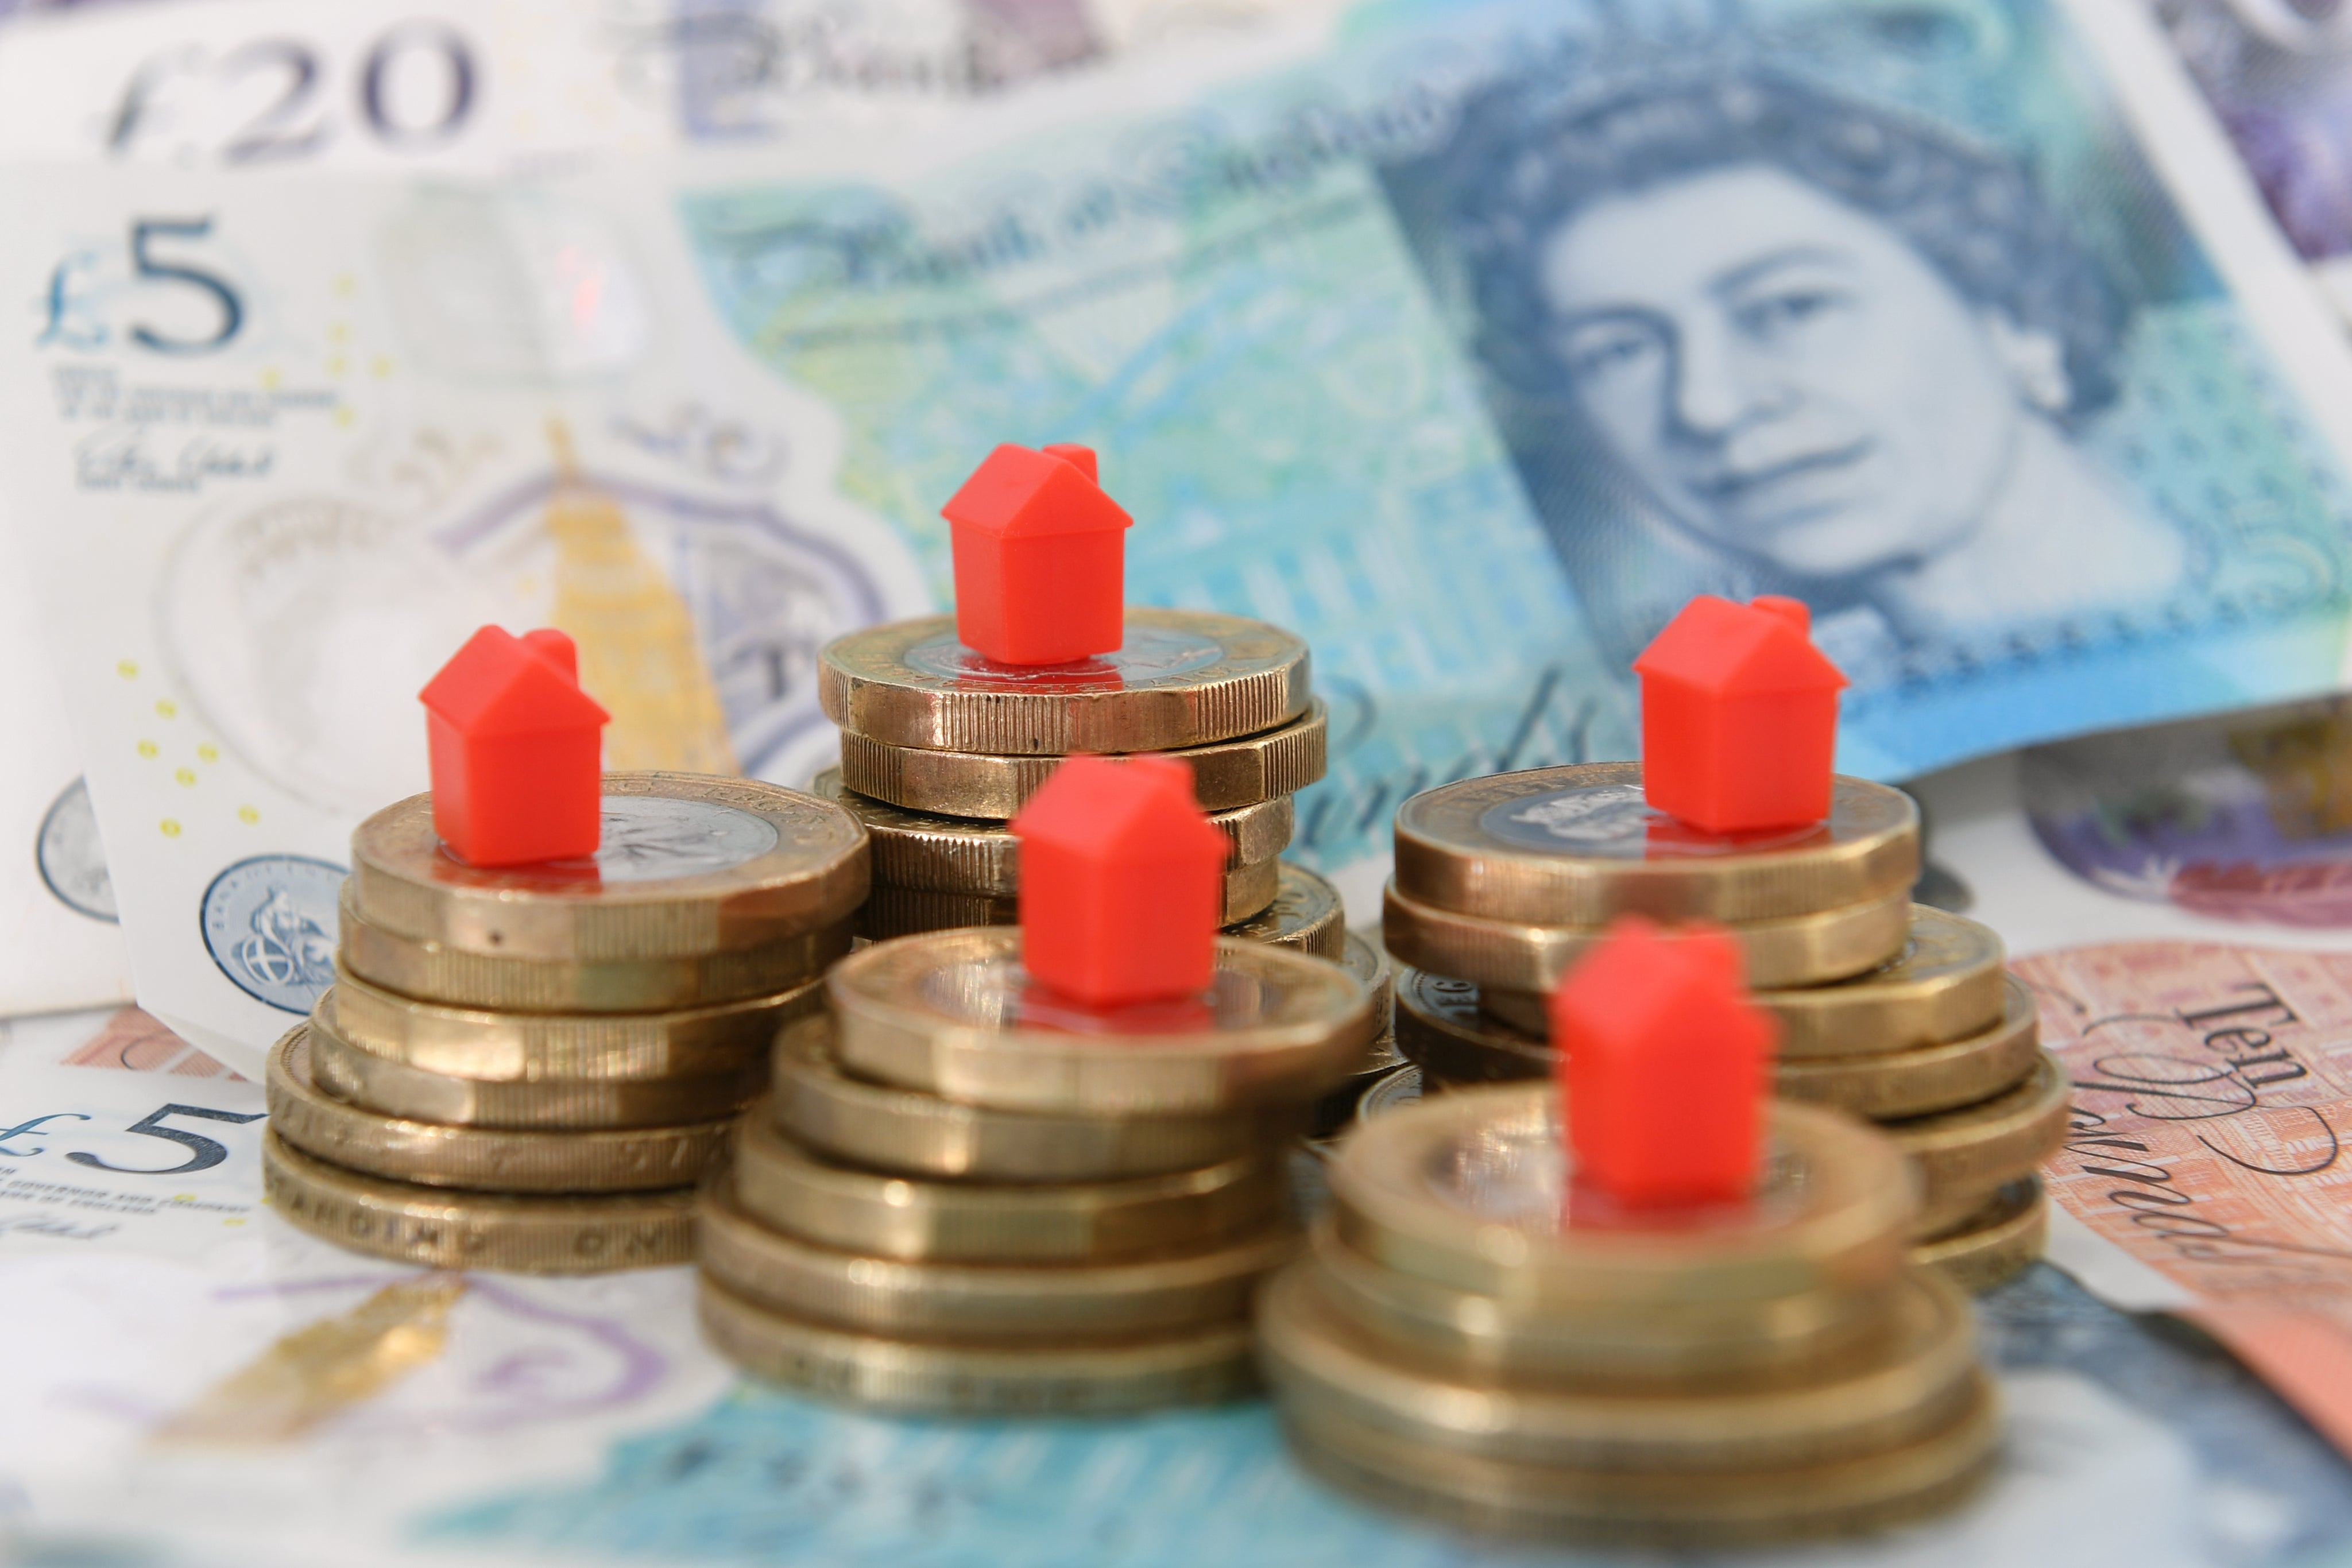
(1467, 342)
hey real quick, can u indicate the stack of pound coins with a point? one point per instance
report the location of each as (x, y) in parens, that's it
(1477, 1339)
(530, 1067)
(940, 747)
(1911, 1023)
(970, 1195)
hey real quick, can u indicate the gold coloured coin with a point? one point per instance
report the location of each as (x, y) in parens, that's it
(358, 1139)
(1755, 1343)
(393, 1088)
(1672, 1510)
(1944, 984)
(1337, 1106)
(688, 865)
(952, 1013)
(443, 1228)
(1469, 1190)
(924, 1377)
(1182, 678)
(956, 854)
(1370, 965)
(1912, 1382)
(1305, 913)
(787, 1188)
(1802, 949)
(894, 911)
(526, 1048)
(435, 972)
(1925, 1078)
(1226, 774)
(890, 1129)
(1580, 846)
(983, 1304)
(1995, 1243)
(1401, 1087)
(1442, 1029)
(1963, 1155)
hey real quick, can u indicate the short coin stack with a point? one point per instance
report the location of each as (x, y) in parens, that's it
(940, 747)
(968, 1195)
(528, 1067)
(1920, 1030)
(1474, 1338)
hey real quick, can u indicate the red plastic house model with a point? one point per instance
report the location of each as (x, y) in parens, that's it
(1122, 882)
(516, 748)
(1739, 716)
(1040, 557)
(1662, 1057)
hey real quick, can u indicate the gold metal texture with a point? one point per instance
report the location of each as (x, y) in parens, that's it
(1580, 845)
(443, 1228)
(1470, 1189)
(1401, 1087)
(952, 1013)
(1925, 1078)
(1225, 773)
(1674, 1511)
(393, 1088)
(1944, 984)
(1995, 1244)
(330, 1129)
(983, 1304)
(1369, 964)
(928, 1377)
(1800, 950)
(432, 971)
(887, 1128)
(918, 850)
(1183, 678)
(530, 1048)
(894, 911)
(1913, 1380)
(1755, 1343)
(691, 864)
(1306, 913)
(1963, 1155)
(787, 1188)
(1337, 1108)
(1442, 1029)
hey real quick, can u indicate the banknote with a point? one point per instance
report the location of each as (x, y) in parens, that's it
(2278, 74)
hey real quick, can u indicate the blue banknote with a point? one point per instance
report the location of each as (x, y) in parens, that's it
(1472, 345)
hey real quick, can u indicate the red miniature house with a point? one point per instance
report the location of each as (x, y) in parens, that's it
(1122, 882)
(1040, 557)
(516, 747)
(1739, 716)
(1663, 1058)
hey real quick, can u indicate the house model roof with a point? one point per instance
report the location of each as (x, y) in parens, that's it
(1139, 810)
(1018, 492)
(501, 684)
(1756, 647)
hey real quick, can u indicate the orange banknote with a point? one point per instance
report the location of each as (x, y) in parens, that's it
(2211, 1117)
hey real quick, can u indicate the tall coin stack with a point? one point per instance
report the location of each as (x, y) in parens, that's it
(1893, 1012)
(1475, 1339)
(528, 1067)
(970, 1195)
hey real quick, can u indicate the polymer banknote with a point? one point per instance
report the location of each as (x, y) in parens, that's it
(250, 87)
(1465, 341)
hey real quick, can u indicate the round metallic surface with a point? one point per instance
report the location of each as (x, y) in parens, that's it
(1925, 1078)
(885, 1128)
(1471, 1189)
(1305, 913)
(1963, 1155)
(1802, 949)
(928, 1378)
(895, 911)
(1580, 846)
(1183, 678)
(689, 865)
(1401, 1087)
(1995, 1243)
(440, 1228)
(432, 1154)
(983, 1304)
(952, 1013)
(393, 1088)
(1896, 1388)
(1442, 1029)
(1226, 774)
(433, 971)
(526, 1048)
